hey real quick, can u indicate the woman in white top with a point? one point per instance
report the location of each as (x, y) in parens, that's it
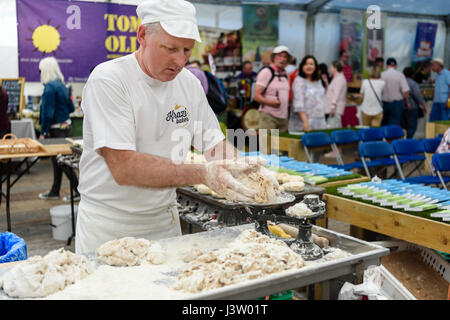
(337, 91)
(371, 106)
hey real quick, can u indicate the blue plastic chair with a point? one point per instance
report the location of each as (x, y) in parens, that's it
(409, 150)
(431, 144)
(377, 154)
(342, 138)
(370, 134)
(315, 139)
(392, 132)
(441, 162)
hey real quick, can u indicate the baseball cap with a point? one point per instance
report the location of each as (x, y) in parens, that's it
(438, 60)
(280, 49)
(176, 17)
(391, 61)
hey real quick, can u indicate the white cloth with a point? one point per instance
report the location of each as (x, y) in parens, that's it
(370, 104)
(23, 128)
(125, 109)
(396, 85)
(176, 17)
(97, 225)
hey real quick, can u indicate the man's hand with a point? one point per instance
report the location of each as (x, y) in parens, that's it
(220, 177)
(41, 137)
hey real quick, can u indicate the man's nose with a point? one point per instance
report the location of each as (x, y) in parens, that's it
(181, 59)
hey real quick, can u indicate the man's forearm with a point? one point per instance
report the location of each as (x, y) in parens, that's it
(132, 168)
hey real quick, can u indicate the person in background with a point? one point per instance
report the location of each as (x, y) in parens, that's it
(370, 94)
(325, 77)
(273, 96)
(416, 100)
(379, 62)
(308, 101)
(247, 72)
(346, 67)
(5, 125)
(292, 66)
(423, 72)
(395, 94)
(439, 110)
(55, 110)
(195, 68)
(336, 94)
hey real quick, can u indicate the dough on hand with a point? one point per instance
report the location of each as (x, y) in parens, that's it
(201, 188)
(39, 276)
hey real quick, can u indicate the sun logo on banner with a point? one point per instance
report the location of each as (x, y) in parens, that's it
(46, 38)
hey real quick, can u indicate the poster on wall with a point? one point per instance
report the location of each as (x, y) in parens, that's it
(351, 33)
(424, 43)
(373, 43)
(78, 34)
(260, 32)
(220, 49)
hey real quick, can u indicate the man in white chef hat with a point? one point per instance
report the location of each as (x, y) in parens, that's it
(142, 114)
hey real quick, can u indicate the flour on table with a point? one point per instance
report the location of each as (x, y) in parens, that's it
(40, 276)
(251, 255)
(129, 251)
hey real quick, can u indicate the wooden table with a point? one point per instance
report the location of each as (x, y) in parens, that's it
(424, 232)
(45, 151)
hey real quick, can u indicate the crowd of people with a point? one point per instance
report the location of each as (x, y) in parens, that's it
(313, 96)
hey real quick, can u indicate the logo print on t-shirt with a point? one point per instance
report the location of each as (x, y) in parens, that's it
(179, 115)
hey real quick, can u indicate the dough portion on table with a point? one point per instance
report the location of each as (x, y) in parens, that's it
(129, 251)
(39, 276)
(251, 255)
(298, 210)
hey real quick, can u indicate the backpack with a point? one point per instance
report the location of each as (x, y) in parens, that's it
(216, 94)
(271, 78)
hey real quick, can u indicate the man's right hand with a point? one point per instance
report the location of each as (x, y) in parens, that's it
(275, 103)
(220, 177)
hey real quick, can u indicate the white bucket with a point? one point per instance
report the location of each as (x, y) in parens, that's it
(62, 221)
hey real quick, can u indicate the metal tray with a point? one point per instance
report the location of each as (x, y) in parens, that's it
(362, 255)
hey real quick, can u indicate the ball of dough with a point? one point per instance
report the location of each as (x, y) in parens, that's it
(293, 186)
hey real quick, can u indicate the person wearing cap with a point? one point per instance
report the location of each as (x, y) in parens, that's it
(272, 91)
(439, 109)
(395, 94)
(142, 114)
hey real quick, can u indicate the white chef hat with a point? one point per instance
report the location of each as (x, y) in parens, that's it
(177, 17)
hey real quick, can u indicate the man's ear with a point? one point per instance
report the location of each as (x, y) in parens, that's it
(141, 35)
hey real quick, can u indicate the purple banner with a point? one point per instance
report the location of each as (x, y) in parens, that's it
(424, 44)
(78, 34)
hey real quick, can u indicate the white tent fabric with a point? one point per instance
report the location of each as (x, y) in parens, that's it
(400, 34)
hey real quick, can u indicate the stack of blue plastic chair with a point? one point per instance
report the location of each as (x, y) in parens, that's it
(340, 138)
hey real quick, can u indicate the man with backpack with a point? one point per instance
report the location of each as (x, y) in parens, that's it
(272, 91)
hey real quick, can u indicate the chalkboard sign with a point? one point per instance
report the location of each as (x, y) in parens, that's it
(14, 88)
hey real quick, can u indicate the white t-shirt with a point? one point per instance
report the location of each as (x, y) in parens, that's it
(125, 109)
(370, 104)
